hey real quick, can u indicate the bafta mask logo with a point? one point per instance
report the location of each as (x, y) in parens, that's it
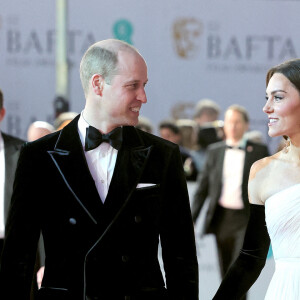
(186, 34)
(123, 30)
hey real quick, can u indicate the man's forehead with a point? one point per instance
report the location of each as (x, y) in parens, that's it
(128, 59)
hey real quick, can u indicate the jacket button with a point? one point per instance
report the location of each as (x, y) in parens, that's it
(125, 258)
(72, 221)
(138, 219)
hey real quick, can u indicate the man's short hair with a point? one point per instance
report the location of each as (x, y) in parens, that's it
(1, 99)
(242, 110)
(207, 106)
(102, 58)
(169, 125)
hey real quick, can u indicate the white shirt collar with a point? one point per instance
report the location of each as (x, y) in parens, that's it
(241, 143)
(1, 139)
(82, 126)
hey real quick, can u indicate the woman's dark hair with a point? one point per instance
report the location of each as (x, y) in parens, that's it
(290, 69)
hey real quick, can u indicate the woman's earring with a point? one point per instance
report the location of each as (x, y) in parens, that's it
(286, 146)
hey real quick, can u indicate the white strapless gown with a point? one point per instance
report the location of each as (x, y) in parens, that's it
(283, 223)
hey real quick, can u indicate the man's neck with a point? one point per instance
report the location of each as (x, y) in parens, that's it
(233, 143)
(95, 120)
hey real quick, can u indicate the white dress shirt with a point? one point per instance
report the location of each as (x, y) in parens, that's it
(101, 161)
(2, 182)
(233, 168)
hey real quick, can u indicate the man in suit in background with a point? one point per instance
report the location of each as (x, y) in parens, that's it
(9, 153)
(102, 207)
(224, 182)
(10, 147)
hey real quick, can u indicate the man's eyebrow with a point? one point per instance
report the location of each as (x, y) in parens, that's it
(134, 81)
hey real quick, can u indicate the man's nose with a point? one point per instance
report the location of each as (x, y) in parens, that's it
(142, 96)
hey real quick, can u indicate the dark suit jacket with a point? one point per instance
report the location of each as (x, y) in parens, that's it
(12, 146)
(210, 181)
(108, 249)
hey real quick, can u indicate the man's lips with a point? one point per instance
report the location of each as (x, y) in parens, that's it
(135, 109)
(272, 121)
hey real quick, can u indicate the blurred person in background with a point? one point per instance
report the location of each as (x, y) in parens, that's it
(187, 130)
(208, 130)
(144, 124)
(168, 130)
(206, 111)
(39, 129)
(64, 119)
(206, 135)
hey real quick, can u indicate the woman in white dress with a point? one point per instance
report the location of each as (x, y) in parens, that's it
(274, 195)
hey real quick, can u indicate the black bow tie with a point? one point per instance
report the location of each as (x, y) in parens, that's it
(94, 138)
(234, 147)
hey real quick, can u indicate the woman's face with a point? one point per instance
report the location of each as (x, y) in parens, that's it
(282, 107)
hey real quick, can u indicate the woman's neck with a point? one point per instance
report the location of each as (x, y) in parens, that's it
(293, 151)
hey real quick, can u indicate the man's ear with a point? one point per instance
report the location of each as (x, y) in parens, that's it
(247, 127)
(97, 84)
(2, 113)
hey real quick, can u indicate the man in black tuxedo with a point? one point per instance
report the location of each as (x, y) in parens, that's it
(224, 182)
(9, 153)
(10, 147)
(102, 208)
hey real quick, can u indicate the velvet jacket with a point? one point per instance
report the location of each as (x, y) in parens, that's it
(93, 248)
(211, 180)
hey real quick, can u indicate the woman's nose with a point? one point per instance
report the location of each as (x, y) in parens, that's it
(268, 107)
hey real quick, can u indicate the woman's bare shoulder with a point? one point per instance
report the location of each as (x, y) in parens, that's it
(258, 178)
(260, 165)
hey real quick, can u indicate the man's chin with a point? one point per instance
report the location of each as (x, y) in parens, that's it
(131, 122)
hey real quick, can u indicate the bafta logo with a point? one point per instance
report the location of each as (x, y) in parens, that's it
(186, 34)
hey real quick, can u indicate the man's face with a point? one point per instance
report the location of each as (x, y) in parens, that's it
(234, 125)
(123, 98)
(2, 114)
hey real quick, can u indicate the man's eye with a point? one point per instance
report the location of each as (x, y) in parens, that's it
(133, 85)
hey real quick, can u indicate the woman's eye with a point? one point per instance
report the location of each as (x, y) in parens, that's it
(277, 98)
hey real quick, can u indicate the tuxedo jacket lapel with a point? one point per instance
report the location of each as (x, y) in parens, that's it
(130, 164)
(219, 166)
(69, 158)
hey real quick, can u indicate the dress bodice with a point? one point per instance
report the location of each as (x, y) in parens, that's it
(283, 222)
